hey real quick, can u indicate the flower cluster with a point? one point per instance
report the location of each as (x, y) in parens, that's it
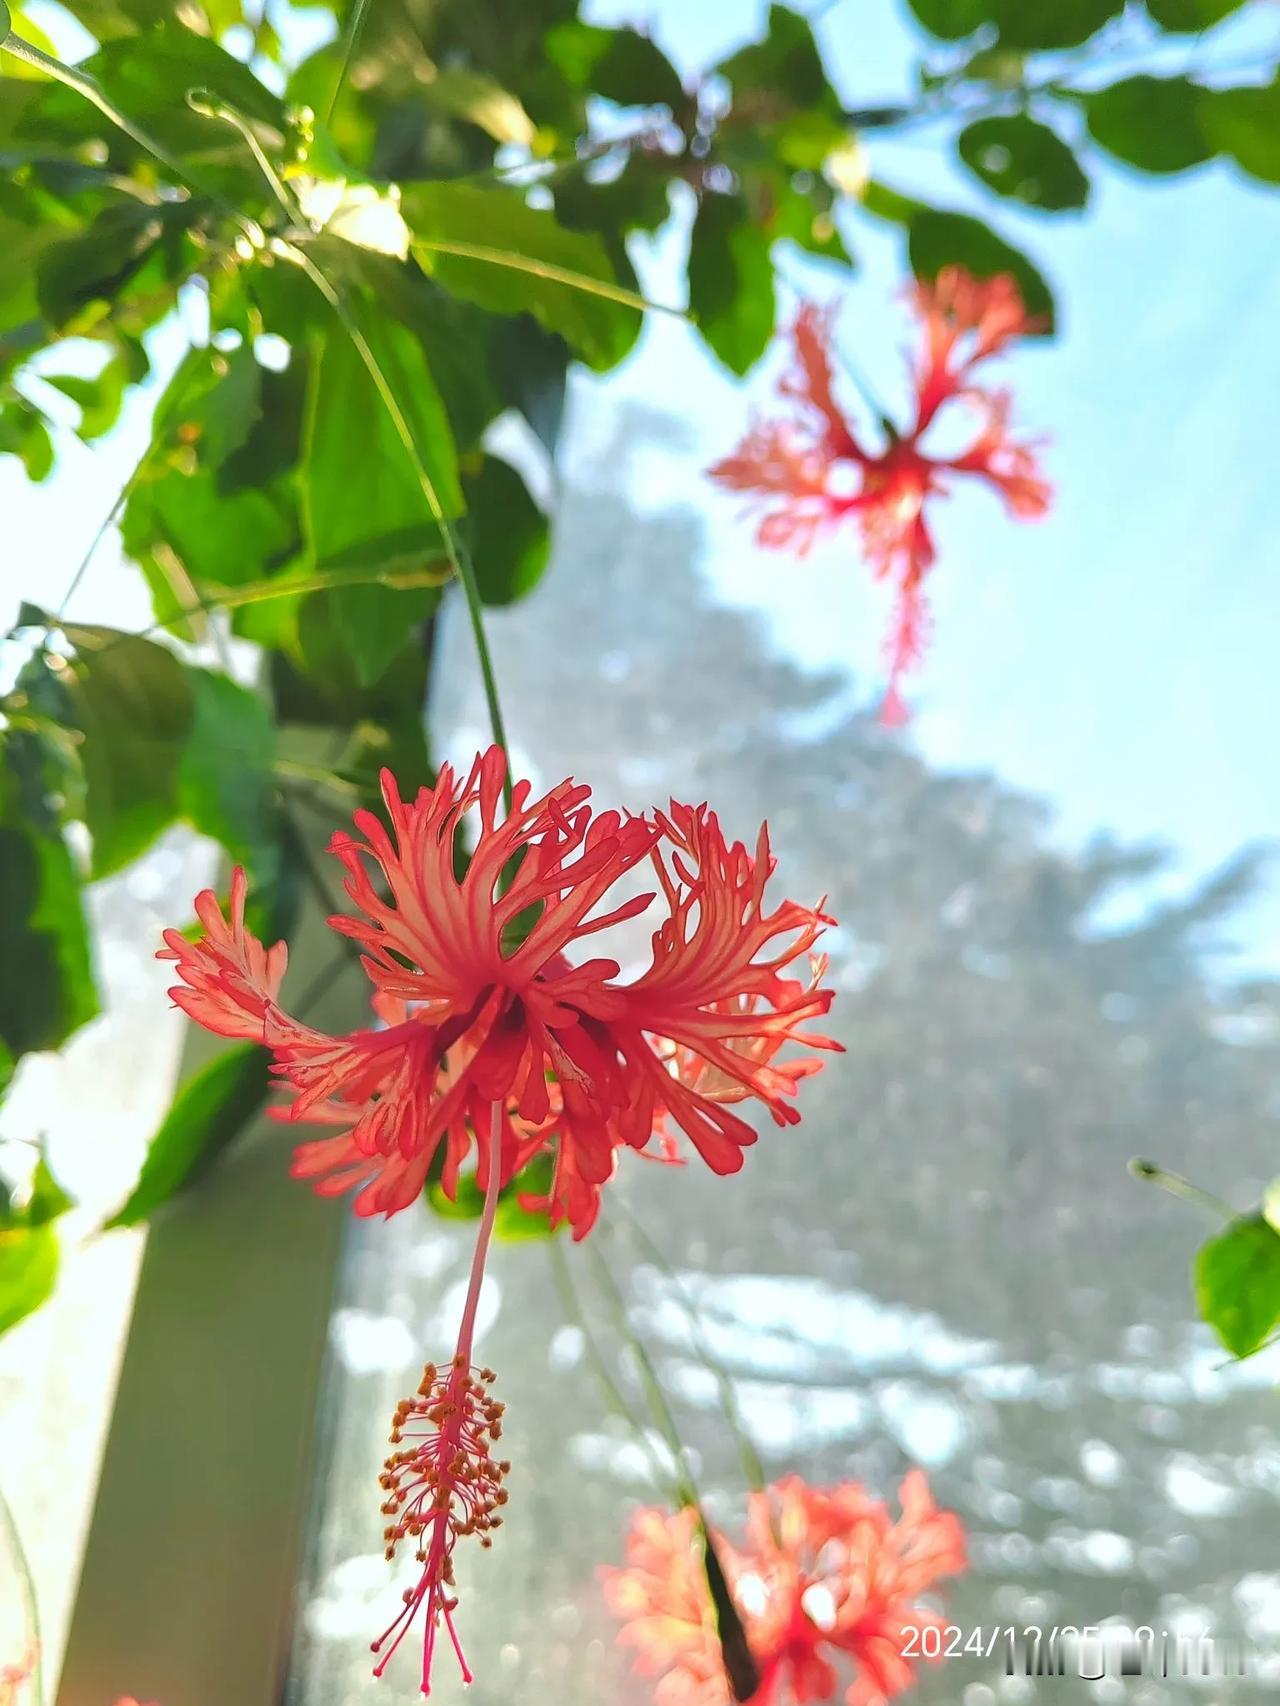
(485, 1011)
(812, 472)
(825, 1576)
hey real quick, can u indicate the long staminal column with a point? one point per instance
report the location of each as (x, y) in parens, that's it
(443, 1482)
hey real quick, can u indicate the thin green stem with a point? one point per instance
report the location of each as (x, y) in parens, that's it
(28, 1584)
(659, 1408)
(207, 104)
(752, 1467)
(108, 520)
(613, 1395)
(356, 25)
(456, 552)
(1177, 1186)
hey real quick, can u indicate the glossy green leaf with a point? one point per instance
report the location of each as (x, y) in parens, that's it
(620, 64)
(950, 20)
(208, 1113)
(488, 246)
(133, 703)
(1153, 123)
(226, 785)
(1191, 16)
(731, 293)
(1032, 24)
(510, 537)
(28, 1269)
(1018, 157)
(1237, 1281)
(1245, 123)
(939, 239)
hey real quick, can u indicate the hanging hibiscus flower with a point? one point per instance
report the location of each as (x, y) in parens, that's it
(812, 472)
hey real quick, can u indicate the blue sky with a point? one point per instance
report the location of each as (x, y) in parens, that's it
(1117, 658)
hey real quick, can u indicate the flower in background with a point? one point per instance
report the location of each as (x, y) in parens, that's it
(496, 1017)
(812, 472)
(825, 1584)
(14, 1677)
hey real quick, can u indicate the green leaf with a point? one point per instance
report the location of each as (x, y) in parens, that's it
(1153, 123)
(785, 64)
(23, 434)
(530, 369)
(208, 1112)
(364, 502)
(42, 928)
(731, 281)
(480, 100)
(133, 703)
(510, 538)
(1191, 16)
(29, 1245)
(939, 239)
(363, 497)
(1017, 156)
(28, 1268)
(1032, 24)
(950, 20)
(211, 404)
(620, 64)
(488, 246)
(99, 399)
(147, 76)
(1245, 123)
(129, 244)
(1237, 1281)
(46, 1199)
(638, 198)
(512, 1223)
(226, 787)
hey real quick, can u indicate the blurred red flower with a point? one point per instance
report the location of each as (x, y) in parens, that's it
(811, 472)
(486, 1015)
(826, 1579)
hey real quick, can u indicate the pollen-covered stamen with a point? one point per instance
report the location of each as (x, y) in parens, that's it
(442, 1482)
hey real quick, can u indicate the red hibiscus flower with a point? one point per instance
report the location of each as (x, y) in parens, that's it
(826, 1585)
(499, 1031)
(812, 472)
(474, 1020)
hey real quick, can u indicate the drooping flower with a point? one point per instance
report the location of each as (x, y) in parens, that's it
(826, 1584)
(812, 473)
(498, 1031)
(483, 1010)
